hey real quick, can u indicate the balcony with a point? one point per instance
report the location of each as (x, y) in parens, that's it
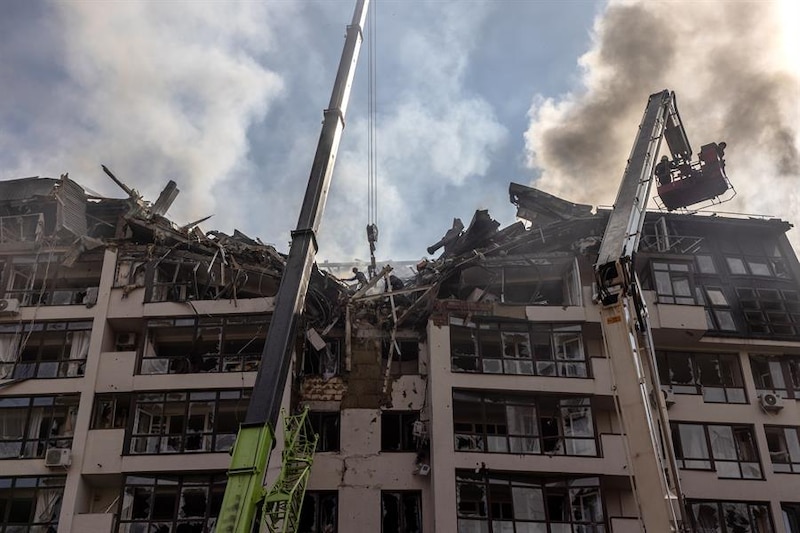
(21, 229)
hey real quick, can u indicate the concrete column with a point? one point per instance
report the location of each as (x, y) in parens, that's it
(76, 491)
(443, 481)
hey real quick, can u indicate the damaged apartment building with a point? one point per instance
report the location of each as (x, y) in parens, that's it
(469, 393)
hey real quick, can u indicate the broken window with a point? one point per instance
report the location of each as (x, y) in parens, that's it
(401, 512)
(48, 282)
(784, 448)
(170, 502)
(776, 374)
(175, 281)
(519, 348)
(791, 517)
(111, 411)
(531, 280)
(29, 425)
(179, 276)
(729, 450)
(405, 361)
(21, 228)
(325, 362)
(319, 512)
(30, 503)
(674, 283)
(494, 501)
(44, 349)
(719, 315)
(183, 422)
(718, 377)
(325, 424)
(770, 311)
(204, 344)
(523, 424)
(730, 517)
(397, 431)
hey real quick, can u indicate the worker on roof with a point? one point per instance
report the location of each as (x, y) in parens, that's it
(359, 277)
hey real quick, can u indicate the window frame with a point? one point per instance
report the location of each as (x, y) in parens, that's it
(31, 487)
(731, 393)
(320, 423)
(312, 361)
(793, 464)
(171, 415)
(714, 462)
(719, 508)
(531, 360)
(499, 510)
(34, 345)
(406, 363)
(404, 420)
(673, 276)
(56, 412)
(790, 512)
(540, 427)
(169, 486)
(314, 497)
(401, 495)
(789, 366)
(770, 310)
(185, 336)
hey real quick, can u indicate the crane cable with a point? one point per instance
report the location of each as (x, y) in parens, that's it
(372, 160)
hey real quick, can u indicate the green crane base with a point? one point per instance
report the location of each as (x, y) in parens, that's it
(245, 487)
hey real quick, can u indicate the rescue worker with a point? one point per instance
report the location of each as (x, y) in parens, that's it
(662, 171)
(359, 277)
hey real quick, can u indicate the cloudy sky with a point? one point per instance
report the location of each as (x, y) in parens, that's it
(226, 98)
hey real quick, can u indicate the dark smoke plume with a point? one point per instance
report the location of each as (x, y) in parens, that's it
(727, 63)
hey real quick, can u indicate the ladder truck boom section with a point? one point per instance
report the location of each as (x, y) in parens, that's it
(256, 438)
(625, 327)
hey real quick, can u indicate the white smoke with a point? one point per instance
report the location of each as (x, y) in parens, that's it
(433, 136)
(154, 90)
(728, 64)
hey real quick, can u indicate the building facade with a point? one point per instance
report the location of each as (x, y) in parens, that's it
(472, 395)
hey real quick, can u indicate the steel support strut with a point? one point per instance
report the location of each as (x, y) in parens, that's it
(256, 436)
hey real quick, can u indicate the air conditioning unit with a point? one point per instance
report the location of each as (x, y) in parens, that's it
(125, 342)
(9, 306)
(419, 429)
(669, 396)
(55, 457)
(771, 402)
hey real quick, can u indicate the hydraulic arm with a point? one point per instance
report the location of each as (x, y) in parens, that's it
(626, 330)
(256, 438)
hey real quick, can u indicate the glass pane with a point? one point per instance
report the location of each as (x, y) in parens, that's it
(680, 286)
(727, 469)
(792, 444)
(693, 441)
(528, 503)
(706, 517)
(472, 526)
(705, 264)
(751, 471)
(663, 284)
(725, 320)
(736, 265)
(516, 345)
(716, 297)
(758, 268)
(681, 370)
